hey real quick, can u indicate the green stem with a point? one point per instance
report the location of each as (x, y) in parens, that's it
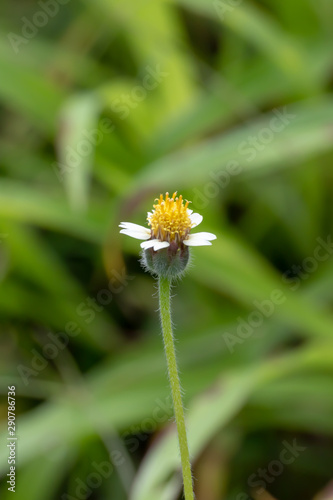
(165, 312)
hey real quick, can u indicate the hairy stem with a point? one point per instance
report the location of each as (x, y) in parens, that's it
(165, 312)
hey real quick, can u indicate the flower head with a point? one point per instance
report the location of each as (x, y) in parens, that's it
(170, 224)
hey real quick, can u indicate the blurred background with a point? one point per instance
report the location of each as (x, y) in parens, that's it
(105, 105)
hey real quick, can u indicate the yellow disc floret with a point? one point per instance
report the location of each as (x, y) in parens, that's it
(170, 220)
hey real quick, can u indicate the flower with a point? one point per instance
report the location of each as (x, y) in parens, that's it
(170, 224)
(165, 249)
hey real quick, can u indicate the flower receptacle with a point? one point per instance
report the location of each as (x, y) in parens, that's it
(170, 262)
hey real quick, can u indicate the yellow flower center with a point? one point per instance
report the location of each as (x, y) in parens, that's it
(170, 220)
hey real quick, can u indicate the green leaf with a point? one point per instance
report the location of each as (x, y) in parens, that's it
(304, 134)
(76, 143)
(211, 412)
(26, 91)
(25, 204)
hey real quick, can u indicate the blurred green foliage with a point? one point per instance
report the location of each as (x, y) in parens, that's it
(105, 105)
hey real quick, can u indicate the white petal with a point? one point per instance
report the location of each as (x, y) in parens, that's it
(161, 244)
(189, 211)
(203, 235)
(196, 219)
(196, 243)
(148, 244)
(136, 234)
(199, 239)
(134, 227)
(157, 244)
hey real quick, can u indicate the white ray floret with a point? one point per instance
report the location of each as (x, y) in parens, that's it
(135, 230)
(156, 244)
(199, 239)
(196, 219)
